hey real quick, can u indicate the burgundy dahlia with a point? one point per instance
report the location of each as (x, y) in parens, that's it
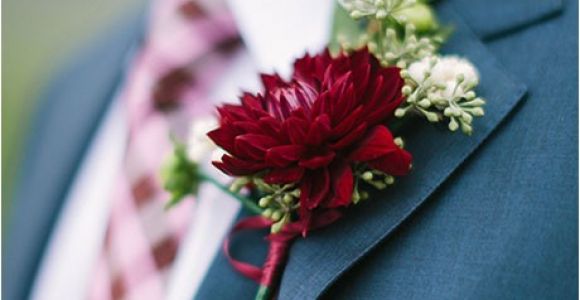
(312, 129)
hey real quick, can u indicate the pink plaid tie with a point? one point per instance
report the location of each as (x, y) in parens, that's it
(187, 48)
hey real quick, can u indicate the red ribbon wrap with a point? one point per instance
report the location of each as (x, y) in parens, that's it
(280, 242)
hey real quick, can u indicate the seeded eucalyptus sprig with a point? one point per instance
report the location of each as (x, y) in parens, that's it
(397, 32)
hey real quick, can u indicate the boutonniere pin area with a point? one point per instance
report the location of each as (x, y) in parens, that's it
(309, 147)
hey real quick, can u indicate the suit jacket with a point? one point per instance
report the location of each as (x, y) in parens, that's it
(493, 216)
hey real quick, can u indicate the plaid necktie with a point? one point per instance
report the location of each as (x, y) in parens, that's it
(187, 47)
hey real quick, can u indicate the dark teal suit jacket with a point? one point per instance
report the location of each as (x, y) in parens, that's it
(494, 216)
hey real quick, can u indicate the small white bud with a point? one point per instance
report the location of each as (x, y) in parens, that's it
(425, 103)
(477, 111)
(400, 112)
(399, 142)
(453, 124)
(367, 176)
(470, 95)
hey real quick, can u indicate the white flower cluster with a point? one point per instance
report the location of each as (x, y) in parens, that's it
(379, 9)
(442, 87)
(199, 146)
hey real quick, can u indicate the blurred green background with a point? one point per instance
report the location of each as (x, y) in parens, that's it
(38, 37)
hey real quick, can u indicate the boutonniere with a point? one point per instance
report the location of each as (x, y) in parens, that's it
(306, 149)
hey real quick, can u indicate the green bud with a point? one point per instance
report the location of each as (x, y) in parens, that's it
(364, 195)
(425, 103)
(477, 111)
(238, 184)
(389, 179)
(456, 112)
(467, 118)
(475, 102)
(448, 112)
(367, 176)
(356, 14)
(431, 116)
(381, 14)
(406, 90)
(389, 55)
(287, 198)
(460, 77)
(400, 112)
(466, 128)
(420, 15)
(276, 216)
(453, 124)
(378, 185)
(470, 95)
(399, 142)
(276, 227)
(355, 196)
(265, 201)
(295, 193)
(267, 213)
(391, 33)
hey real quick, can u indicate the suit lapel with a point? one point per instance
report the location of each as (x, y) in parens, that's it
(69, 115)
(492, 18)
(317, 261)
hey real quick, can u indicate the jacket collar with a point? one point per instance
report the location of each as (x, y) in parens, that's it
(493, 18)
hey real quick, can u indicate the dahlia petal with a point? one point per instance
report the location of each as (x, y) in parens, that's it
(317, 161)
(396, 163)
(315, 188)
(350, 138)
(237, 167)
(224, 137)
(319, 130)
(296, 129)
(284, 176)
(248, 127)
(272, 81)
(377, 143)
(347, 123)
(282, 156)
(270, 126)
(344, 104)
(343, 185)
(253, 146)
(248, 100)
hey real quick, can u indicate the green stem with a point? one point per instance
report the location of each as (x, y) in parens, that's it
(247, 203)
(263, 293)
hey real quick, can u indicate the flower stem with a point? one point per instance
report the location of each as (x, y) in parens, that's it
(247, 203)
(263, 293)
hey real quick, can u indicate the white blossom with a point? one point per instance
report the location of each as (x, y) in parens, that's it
(380, 9)
(199, 146)
(446, 71)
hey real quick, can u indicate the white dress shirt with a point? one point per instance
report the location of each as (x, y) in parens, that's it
(275, 33)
